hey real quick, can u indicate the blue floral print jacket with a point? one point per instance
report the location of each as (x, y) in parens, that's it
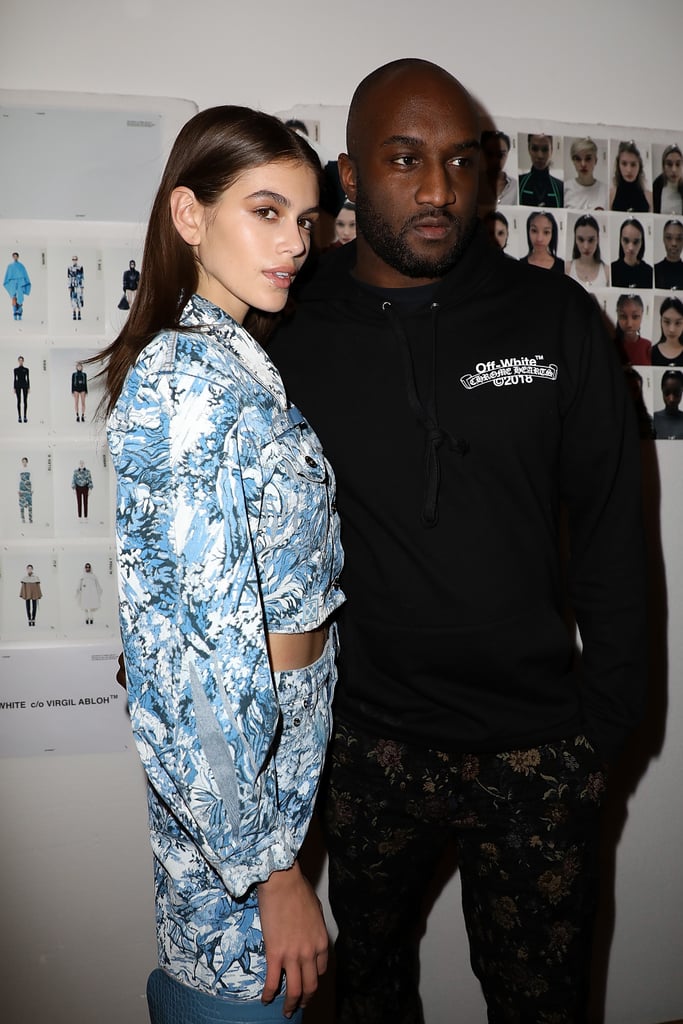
(226, 529)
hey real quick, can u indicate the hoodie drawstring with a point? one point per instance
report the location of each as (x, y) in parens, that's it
(427, 416)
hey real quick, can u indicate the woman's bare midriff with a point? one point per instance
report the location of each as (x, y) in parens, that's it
(295, 650)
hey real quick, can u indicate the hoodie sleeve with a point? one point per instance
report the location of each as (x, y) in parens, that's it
(600, 474)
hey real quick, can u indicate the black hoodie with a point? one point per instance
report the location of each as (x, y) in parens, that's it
(459, 430)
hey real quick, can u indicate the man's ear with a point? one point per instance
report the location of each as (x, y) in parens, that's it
(188, 214)
(347, 175)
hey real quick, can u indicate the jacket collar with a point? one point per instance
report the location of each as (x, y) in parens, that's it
(214, 322)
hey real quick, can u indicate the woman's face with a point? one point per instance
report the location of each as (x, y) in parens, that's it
(584, 165)
(540, 233)
(631, 243)
(29, 570)
(586, 239)
(672, 325)
(540, 151)
(672, 394)
(495, 153)
(251, 245)
(498, 232)
(345, 226)
(629, 166)
(673, 241)
(629, 316)
(673, 168)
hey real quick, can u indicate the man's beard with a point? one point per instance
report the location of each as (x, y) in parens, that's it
(393, 248)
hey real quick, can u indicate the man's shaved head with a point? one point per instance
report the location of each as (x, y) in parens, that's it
(408, 71)
(412, 170)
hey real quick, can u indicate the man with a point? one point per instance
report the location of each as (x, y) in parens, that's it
(460, 396)
(669, 271)
(17, 284)
(22, 386)
(538, 187)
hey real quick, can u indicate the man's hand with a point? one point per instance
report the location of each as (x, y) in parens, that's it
(295, 937)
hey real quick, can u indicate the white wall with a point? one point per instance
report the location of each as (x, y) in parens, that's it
(77, 925)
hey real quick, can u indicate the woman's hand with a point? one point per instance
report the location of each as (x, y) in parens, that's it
(295, 937)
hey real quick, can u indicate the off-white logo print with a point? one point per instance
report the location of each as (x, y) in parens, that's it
(506, 372)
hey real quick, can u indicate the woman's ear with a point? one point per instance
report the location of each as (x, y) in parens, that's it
(188, 214)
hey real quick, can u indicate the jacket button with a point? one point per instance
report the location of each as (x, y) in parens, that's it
(335, 583)
(296, 721)
(333, 506)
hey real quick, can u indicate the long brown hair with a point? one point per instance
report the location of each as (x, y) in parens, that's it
(210, 152)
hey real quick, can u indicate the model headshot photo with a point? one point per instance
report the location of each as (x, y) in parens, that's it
(538, 187)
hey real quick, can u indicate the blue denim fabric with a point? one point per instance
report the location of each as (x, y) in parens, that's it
(226, 530)
(170, 1002)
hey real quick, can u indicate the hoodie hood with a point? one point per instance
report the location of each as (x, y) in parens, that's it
(332, 277)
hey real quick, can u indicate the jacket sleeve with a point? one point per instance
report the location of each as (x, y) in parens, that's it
(600, 478)
(203, 705)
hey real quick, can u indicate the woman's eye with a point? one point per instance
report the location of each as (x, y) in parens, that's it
(266, 213)
(306, 223)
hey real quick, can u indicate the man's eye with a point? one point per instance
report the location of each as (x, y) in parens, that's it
(405, 161)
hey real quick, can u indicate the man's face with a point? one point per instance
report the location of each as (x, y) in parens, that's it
(673, 241)
(414, 179)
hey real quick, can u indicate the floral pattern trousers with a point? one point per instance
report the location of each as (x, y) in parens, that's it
(525, 825)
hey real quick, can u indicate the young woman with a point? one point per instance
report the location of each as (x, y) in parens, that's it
(344, 225)
(669, 349)
(667, 188)
(585, 192)
(498, 227)
(628, 191)
(31, 593)
(228, 562)
(541, 236)
(668, 422)
(538, 187)
(495, 147)
(89, 593)
(634, 349)
(79, 390)
(25, 492)
(630, 270)
(587, 266)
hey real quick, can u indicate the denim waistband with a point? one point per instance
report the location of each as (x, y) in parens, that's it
(171, 1002)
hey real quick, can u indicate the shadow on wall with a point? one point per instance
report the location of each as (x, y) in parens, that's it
(647, 741)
